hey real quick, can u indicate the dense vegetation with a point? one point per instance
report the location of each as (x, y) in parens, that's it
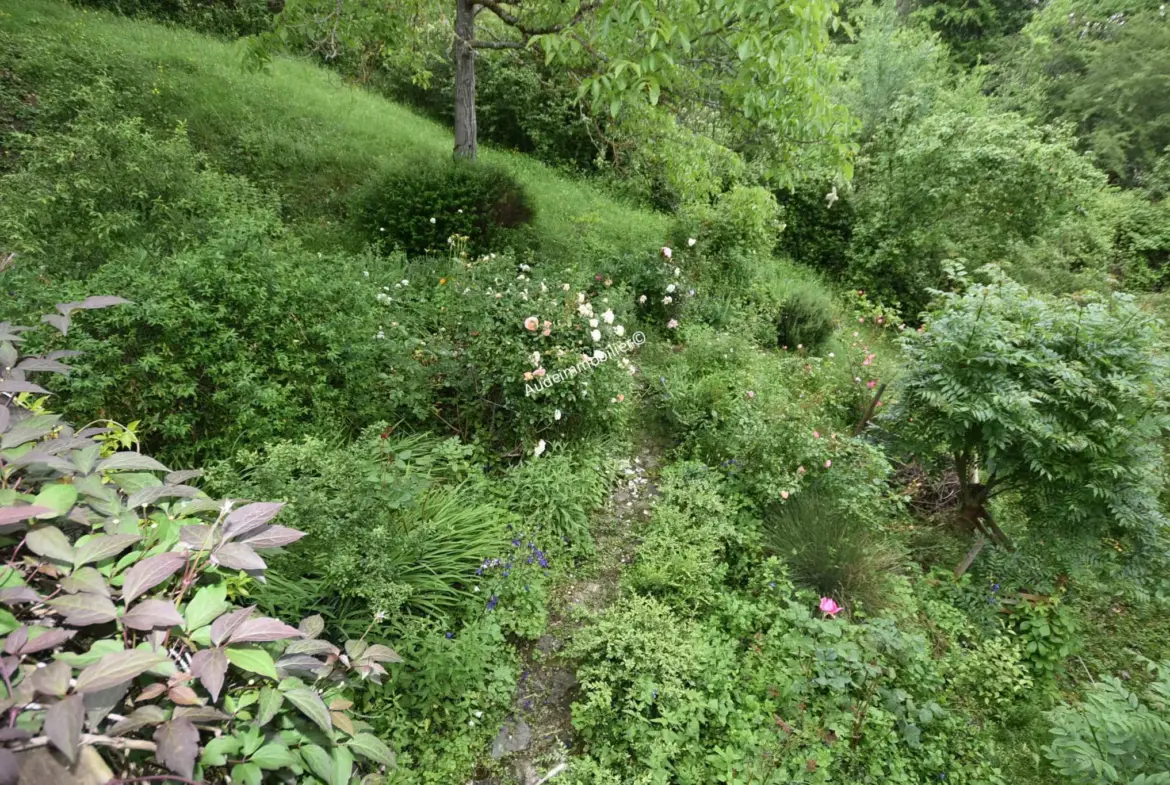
(780, 395)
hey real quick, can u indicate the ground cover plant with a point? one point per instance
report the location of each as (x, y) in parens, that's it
(777, 397)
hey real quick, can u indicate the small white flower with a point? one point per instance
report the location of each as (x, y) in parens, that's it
(619, 331)
(596, 334)
(525, 268)
(585, 309)
(670, 289)
(405, 282)
(564, 287)
(691, 242)
(667, 300)
(642, 300)
(608, 316)
(543, 288)
(557, 414)
(540, 445)
(535, 358)
(366, 273)
(677, 272)
(593, 323)
(832, 355)
(597, 355)
(432, 220)
(580, 297)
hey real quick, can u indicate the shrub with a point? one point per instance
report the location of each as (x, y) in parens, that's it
(1117, 735)
(103, 188)
(387, 526)
(993, 673)
(1020, 386)
(735, 234)
(420, 204)
(516, 356)
(830, 552)
(177, 656)
(236, 343)
(805, 319)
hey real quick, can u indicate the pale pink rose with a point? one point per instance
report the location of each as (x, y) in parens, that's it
(828, 463)
(531, 323)
(816, 434)
(672, 324)
(620, 397)
(538, 372)
(667, 252)
(783, 494)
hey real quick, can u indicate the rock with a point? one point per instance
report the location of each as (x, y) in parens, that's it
(513, 737)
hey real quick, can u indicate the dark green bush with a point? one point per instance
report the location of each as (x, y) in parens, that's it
(233, 344)
(829, 551)
(419, 205)
(228, 18)
(805, 319)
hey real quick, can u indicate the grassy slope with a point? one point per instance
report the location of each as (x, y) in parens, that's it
(297, 129)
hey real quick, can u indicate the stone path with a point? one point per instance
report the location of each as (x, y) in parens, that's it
(537, 740)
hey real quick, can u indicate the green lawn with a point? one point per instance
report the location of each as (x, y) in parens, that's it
(296, 129)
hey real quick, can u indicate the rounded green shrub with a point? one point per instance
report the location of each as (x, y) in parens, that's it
(423, 203)
(804, 319)
(233, 344)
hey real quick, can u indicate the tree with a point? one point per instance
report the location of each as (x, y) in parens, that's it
(758, 66)
(1062, 400)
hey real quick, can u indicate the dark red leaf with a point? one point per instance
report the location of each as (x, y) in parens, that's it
(63, 723)
(226, 624)
(47, 640)
(117, 668)
(131, 462)
(249, 517)
(151, 691)
(183, 695)
(9, 768)
(15, 595)
(148, 573)
(149, 614)
(271, 537)
(81, 610)
(178, 746)
(263, 629)
(197, 537)
(237, 556)
(210, 666)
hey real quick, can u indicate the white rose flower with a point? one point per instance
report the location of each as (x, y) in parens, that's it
(557, 414)
(608, 316)
(596, 334)
(540, 445)
(593, 322)
(670, 289)
(667, 300)
(619, 331)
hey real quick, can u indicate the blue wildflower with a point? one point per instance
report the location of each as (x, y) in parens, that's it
(450, 635)
(493, 602)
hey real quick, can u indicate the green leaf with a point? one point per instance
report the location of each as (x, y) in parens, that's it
(270, 702)
(217, 751)
(208, 604)
(318, 761)
(247, 774)
(271, 757)
(58, 498)
(342, 765)
(252, 660)
(311, 705)
(373, 748)
(8, 622)
(98, 650)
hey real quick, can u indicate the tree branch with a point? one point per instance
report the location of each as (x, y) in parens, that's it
(510, 19)
(91, 738)
(498, 45)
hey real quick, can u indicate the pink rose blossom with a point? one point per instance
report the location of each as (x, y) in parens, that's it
(531, 323)
(828, 463)
(829, 607)
(800, 470)
(672, 324)
(816, 434)
(783, 494)
(871, 384)
(667, 252)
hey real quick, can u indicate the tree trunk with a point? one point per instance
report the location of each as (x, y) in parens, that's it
(465, 131)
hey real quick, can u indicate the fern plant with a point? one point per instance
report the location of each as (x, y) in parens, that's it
(1115, 735)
